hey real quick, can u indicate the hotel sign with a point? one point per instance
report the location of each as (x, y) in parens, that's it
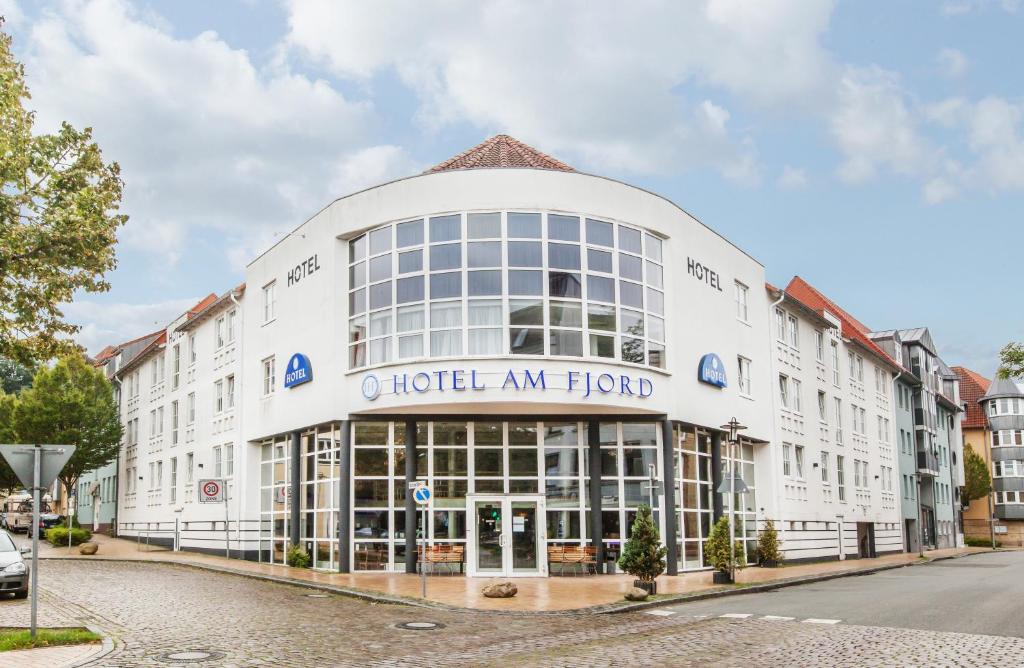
(581, 383)
(299, 371)
(711, 370)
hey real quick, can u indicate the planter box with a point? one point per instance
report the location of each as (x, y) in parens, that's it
(721, 578)
(650, 587)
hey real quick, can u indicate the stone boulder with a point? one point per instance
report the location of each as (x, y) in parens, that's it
(500, 590)
(636, 594)
(88, 548)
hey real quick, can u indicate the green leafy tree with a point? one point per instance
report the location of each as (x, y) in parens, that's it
(716, 547)
(977, 482)
(58, 220)
(1011, 361)
(14, 377)
(643, 555)
(73, 404)
(8, 481)
(768, 544)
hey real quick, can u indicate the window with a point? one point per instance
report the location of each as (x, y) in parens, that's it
(268, 376)
(798, 451)
(160, 421)
(857, 481)
(822, 409)
(741, 301)
(189, 468)
(229, 392)
(798, 405)
(174, 422)
(824, 466)
(218, 470)
(160, 474)
(192, 352)
(230, 325)
(269, 301)
(835, 363)
(839, 420)
(174, 480)
(219, 332)
(780, 324)
(840, 478)
(152, 423)
(853, 364)
(784, 390)
(153, 372)
(860, 368)
(229, 460)
(794, 332)
(819, 346)
(786, 463)
(743, 377)
(218, 397)
(175, 366)
(190, 407)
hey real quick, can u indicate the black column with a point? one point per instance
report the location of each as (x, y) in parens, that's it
(410, 503)
(668, 455)
(716, 475)
(345, 499)
(596, 528)
(296, 500)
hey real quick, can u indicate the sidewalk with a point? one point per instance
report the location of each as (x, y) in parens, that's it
(535, 594)
(49, 657)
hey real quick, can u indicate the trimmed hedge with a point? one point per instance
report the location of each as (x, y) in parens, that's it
(980, 542)
(58, 536)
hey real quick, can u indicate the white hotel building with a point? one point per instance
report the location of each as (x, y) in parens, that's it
(528, 340)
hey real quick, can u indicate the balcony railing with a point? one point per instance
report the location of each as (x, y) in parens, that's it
(927, 463)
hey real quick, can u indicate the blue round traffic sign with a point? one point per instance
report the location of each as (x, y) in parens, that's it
(421, 494)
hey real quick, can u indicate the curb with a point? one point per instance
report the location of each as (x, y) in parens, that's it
(603, 609)
(106, 648)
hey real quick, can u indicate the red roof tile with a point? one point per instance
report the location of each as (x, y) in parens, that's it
(972, 388)
(501, 151)
(206, 301)
(850, 327)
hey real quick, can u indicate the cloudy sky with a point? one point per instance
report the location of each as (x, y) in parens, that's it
(875, 148)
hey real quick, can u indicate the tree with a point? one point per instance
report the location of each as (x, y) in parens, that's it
(14, 377)
(768, 545)
(71, 404)
(58, 221)
(1011, 360)
(716, 548)
(643, 555)
(977, 483)
(8, 481)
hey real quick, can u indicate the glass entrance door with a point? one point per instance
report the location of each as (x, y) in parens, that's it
(506, 536)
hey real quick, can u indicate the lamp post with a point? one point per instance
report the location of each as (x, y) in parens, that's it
(733, 427)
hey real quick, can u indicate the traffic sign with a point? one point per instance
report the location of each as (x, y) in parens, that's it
(211, 490)
(21, 459)
(421, 494)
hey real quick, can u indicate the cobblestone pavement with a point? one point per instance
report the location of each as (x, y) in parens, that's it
(153, 609)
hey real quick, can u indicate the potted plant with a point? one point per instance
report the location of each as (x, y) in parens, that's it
(643, 555)
(717, 553)
(768, 553)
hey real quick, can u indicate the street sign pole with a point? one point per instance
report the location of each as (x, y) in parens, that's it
(421, 494)
(37, 459)
(227, 532)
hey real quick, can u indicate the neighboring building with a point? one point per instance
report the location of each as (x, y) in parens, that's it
(938, 441)
(977, 434)
(1003, 404)
(835, 474)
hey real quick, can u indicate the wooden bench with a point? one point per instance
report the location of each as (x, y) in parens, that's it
(584, 556)
(434, 555)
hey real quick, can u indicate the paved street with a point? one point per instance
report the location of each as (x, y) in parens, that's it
(977, 594)
(153, 609)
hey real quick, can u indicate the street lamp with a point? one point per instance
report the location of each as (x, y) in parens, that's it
(733, 428)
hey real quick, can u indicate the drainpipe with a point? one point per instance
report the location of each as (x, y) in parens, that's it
(903, 525)
(117, 469)
(239, 456)
(776, 489)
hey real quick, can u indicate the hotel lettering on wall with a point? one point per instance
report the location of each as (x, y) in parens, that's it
(303, 269)
(704, 274)
(581, 383)
(711, 370)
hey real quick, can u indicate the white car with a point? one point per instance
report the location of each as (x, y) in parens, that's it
(14, 572)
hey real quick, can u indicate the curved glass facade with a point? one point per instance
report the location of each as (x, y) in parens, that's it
(506, 283)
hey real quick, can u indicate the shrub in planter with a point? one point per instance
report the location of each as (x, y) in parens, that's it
(716, 550)
(297, 557)
(768, 552)
(643, 555)
(58, 536)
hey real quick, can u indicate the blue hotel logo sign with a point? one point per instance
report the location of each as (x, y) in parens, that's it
(711, 370)
(299, 371)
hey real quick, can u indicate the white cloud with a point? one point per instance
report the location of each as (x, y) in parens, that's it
(11, 12)
(792, 178)
(953, 62)
(105, 323)
(596, 84)
(205, 138)
(958, 7)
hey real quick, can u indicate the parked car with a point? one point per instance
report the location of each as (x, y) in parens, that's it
(14, 572)
(17, 513)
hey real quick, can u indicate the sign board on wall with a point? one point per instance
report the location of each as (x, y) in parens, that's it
(299, 371)
(711, 370)
(211, 491)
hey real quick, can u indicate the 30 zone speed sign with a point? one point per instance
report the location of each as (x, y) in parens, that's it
(211, 491)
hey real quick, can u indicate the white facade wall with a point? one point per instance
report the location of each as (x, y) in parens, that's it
(167, 450)
(808, 509)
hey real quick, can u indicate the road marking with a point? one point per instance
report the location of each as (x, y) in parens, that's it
(777, 618)
(660, 613)
(813, 620)
(735, 615)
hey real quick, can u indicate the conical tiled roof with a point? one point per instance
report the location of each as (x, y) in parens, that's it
(501, 151)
